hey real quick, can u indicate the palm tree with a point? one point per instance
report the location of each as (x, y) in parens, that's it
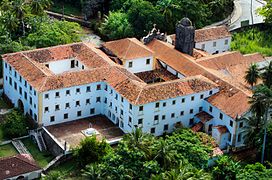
(165, 155)
(38, 6)
(19, 10)
(267, 75)
(92, 172)
(261, 102)
(252, 74)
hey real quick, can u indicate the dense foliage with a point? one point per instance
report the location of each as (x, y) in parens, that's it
(24, 25)
(90, 150)
(15, 124)
(253, 40)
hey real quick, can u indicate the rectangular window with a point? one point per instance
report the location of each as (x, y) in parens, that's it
(210, 109)
(221, 116)
(192, 98)
(46, 96)
(226, 41)
(191, 122)
(67, 92)
(67, 105)
(92, 111)
(10, 81)
(6, 65)
(202, 46)
(116, 96)
(72, 63)
(20, 78)
(57, 107)
(130, 106)
(165, 127)
(164, 104)
(98, 87)
(183, 100)
(191, 111)
(78, 113)
(147, 61)
(130, 64)
(34, 93)
(46, 109)
(241, 125)
(181, 113)
(157, 105)
(156, 117)
(65, 116)
(210, 127)
(77, 90)
(30, 100)
(210, 93)
(140, 121)
(88, 89)
(25, 96)
(106, 88)
(30, 112)
(153, 130)
(87, 101)
(163, 117)
(52, 118)
(214, 44)
(200, 109)
(172, 115)
(173, 102)
(122, 99)
(231, 123)
(20, 90)
(98, 99)
(15, 85)
(129, 121)
(15, 74)
(141, 108)
(77, 103)
(25, 84)
(57, 95)
(201, 96)
(105, 100)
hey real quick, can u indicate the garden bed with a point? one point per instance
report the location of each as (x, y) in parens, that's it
(42, 158)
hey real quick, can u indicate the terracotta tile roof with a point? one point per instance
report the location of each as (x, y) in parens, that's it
(208, 34)
(129, 48)
(100, 69)
(203, 116)
(221, 129)
(17, 165)
(197, 127)
(187, 66)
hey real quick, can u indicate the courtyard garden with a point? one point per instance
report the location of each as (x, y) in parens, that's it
(7, 150)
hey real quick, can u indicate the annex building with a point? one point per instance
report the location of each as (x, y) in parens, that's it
(154, 86)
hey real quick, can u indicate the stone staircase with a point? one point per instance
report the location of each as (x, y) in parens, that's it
(39, 139)
(20, 147)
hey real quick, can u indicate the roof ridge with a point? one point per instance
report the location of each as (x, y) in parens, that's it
(128, 48)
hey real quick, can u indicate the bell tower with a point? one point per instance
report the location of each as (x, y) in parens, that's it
(185, 36)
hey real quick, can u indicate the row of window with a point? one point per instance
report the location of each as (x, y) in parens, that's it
(66, 115)
(214, 44)
(130, 64)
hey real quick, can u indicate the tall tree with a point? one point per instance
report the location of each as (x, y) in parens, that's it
(38, 6)
(267, 75)
(252, 74)
(19, 9)
(261, 102)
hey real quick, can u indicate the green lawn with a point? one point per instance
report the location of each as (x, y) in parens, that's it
(68, 9)
(7, 150)
(42, 158)
(1, 134)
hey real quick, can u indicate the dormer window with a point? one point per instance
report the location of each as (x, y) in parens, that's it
(147, 61)
(130, 64)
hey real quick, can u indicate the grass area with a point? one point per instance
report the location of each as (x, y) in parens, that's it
(68, 9)
(2, 138)
(253, 40)
(42, 158)
(7, 150)
(69, 170)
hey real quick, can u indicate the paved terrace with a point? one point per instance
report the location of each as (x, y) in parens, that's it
(71, 132)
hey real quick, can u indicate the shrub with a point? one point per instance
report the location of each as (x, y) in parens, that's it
(15, 124)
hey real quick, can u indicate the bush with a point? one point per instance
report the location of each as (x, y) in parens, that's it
(15, 124)
(90, 150)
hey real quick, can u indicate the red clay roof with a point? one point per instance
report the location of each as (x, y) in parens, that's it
(209, 34)
(221, 129)
(100, 69)
(129, 48)
(229, 97)
(203, 116)
(197, 127)
(17, 165)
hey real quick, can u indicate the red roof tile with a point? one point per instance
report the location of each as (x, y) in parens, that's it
(17, 165)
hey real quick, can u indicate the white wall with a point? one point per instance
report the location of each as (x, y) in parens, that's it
(220, 45)
(61, 66)
(14, 95)
(139, 65)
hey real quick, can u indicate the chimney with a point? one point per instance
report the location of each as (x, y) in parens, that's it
(185, 36)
